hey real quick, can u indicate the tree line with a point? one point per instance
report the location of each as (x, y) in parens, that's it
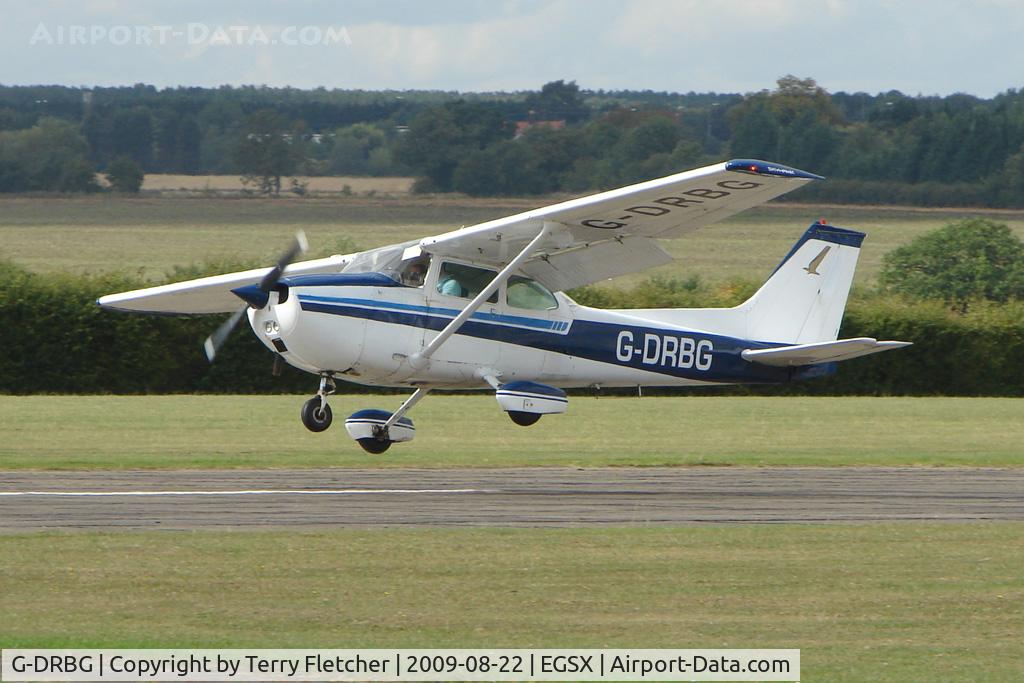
(875, 148)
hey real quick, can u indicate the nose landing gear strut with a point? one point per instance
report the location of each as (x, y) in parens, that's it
(316, 413)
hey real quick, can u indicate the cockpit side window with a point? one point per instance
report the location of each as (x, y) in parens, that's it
(526, 293)
(456, 279)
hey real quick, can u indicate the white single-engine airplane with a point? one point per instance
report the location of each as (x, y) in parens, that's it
(484, 305)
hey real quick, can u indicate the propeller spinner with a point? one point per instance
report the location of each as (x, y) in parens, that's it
(216, 340)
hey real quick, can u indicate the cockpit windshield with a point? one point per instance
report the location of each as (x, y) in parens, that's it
(386, 260)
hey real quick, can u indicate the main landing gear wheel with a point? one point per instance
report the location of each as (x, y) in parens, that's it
(374, 445)
(523, 419)
(370, 429)
(316, 415)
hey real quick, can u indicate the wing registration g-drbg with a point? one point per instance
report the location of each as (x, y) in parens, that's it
(484, 306)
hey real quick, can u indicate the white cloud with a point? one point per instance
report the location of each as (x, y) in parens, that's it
(722, 45)
(496, 52)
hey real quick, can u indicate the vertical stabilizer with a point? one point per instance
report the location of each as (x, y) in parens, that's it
(804, 299)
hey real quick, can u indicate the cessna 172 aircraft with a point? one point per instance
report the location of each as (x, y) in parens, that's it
(484, 305)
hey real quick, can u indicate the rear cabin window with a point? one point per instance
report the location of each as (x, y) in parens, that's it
(456, 279)
(530, 294)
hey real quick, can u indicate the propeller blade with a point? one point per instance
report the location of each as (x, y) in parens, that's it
(216, 340)
(299, 246)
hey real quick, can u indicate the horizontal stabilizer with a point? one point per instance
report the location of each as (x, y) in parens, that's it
(821, 352)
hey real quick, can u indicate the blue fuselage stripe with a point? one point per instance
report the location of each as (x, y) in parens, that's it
(589, 339)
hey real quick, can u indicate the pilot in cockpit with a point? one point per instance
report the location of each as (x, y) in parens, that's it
(414, 273)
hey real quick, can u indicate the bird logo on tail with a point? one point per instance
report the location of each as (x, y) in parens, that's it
(812, 267)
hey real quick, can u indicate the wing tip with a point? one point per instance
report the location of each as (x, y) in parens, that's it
(107, 303)
(769, 168)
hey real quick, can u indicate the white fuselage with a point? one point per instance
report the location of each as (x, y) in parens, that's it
(367, 333)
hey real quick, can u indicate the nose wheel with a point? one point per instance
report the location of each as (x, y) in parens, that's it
(316, 413)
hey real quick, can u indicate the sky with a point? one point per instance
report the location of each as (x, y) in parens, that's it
(927, 47)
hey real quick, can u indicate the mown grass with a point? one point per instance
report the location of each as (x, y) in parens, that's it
(174, 182)
(109, 432)
(154, 234)
(109, 233)
(863, 602)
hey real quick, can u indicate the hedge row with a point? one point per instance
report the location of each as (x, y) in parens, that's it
(56, 340)
(974, 354)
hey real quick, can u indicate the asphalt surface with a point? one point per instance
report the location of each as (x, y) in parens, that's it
(540, 497)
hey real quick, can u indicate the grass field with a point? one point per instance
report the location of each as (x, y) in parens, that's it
(879, 602)
(873, 602)
(106, 432)
(90, 234)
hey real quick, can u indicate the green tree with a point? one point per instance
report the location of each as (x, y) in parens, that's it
(1011, 181)
(77, 175)
(49, 156)
(792, 124)
(592, 168)
(650, 144)
(165, 140)
(868, 153)
(188, 145)
(557, 101)
(124, 175)
(971, 259)
(755, 130)
(264, 153)
(440, 138)
(807, 142)
(794, 97)
(221, 123)
(132, 135)
(506, 168)
(552, 154)
(353, 147)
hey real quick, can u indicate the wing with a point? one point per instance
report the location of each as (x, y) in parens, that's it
(596, 237)
(613, 233)
(208, 294)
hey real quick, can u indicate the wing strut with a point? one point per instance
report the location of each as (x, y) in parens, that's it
(419, 360)
(403, 409)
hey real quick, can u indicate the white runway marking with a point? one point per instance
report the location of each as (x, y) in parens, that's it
(254, 492)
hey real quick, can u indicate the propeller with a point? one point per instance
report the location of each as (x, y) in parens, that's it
(216, 340)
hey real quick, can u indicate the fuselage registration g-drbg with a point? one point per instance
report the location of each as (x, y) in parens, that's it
(484, 305)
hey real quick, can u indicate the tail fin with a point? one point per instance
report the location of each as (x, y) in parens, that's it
(804, 298)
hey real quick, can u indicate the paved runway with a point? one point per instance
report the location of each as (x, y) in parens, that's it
(538, 497)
